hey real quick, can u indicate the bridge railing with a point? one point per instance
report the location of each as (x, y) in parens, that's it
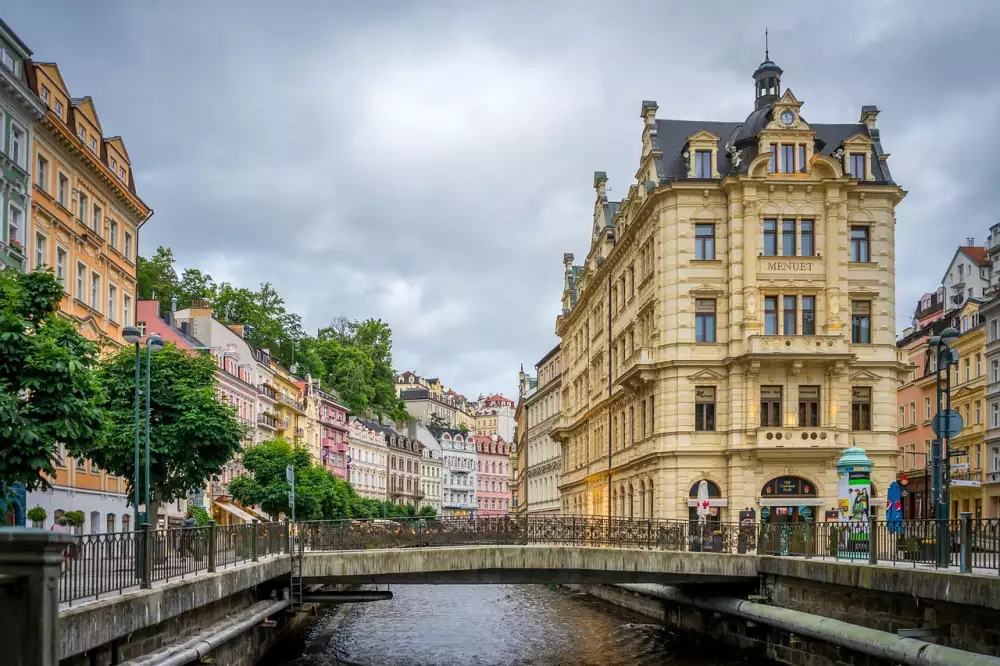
(102, 564)
(912, 541)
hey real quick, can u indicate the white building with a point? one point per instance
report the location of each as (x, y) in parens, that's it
(458, 486)
(368, 461)
(495, 416)
(431, 467)
(968, 276)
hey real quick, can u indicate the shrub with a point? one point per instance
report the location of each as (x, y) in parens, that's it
(75, 518)
(37, 514)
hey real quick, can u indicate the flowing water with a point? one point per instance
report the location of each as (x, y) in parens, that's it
(504, 625)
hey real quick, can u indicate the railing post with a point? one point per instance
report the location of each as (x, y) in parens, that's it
(873, 540)
(146, 572)
(966, 530)
(288, 537)
(811, 531)
(212, 545)
(253, 541)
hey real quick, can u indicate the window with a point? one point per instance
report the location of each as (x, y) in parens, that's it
(41, 250)
(81, 277)
(995, 371)
(861, 408)
(121, 174)
(802, 158)
(95, 290)
(902, 417)
(979, 365)
(112, 302)
(114, 165)
(704, 408)
(789, 315)
(807, 238)
(702, 164)
(773, 166)
(59, 108)
(82, 208)
(788, 238)
(927, 409)
(42, 177)
(127, 246)
(45, 95)
(858, 165)
(787, 158)
(994, 330)
(61, 266)
(967, 420)
(18, 148)
(14, 224)
(704, 241)
(809, 406)
(860, 245)
(770, 406)
(861, 332)
(82, 133)
(979, 412)
(114, 235)
(808, 315)
(995, 415)
(913, 412)
(63, 187)
(93, 145)
(770, 315)
(704, 320)
(770, 238)
(967, 375)
(96, 220)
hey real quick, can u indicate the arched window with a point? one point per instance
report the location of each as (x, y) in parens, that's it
(715, 512)
(111, 523)
(126, 522)
(631, 502)
(642, 499)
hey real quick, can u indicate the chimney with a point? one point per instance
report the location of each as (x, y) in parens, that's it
(600, 183)
(648, 112)
(173, 309)
(970, 241)
(411, 429)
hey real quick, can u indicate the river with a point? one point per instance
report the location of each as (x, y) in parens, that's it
(502, 625)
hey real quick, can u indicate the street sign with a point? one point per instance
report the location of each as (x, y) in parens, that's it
(904, 480)
(290, 474)
(947, 423)
(960, 465)
(965, 483)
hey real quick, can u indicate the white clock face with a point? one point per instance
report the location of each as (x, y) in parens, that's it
(787, 117)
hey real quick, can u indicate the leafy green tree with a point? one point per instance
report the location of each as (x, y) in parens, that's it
(49, 391)
(157, 276)
(195, 285)
(268, 323)
(192, 433)
(427, 512)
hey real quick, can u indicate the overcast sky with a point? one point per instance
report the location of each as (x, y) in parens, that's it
(429, 162)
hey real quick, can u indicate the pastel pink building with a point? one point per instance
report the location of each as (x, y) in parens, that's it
(492, 475)
(334, 430)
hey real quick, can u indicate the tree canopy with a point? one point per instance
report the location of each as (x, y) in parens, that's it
(353, 358)
(192, 433)
(49, 391)
(319, 495)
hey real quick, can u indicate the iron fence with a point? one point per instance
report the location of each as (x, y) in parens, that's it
(102, 564)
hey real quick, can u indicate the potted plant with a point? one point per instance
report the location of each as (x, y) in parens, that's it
(76, 519)
(16, 246)
(37, 516)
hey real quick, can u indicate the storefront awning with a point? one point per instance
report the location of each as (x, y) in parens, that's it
(259, 515)
(236, 511)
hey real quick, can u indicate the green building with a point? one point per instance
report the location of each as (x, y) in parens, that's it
(19, 109)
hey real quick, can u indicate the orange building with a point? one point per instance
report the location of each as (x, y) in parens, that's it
(85, 222)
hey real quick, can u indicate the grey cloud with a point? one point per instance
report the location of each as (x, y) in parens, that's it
(429, 163)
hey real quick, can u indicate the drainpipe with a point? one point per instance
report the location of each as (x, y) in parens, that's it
(610, 434)
(200, 646)
(895, 649)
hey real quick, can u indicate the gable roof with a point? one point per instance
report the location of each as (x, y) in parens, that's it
(52, 69)
(87, 109)
(977, 254)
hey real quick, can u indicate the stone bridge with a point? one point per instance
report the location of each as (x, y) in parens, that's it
(513, 564)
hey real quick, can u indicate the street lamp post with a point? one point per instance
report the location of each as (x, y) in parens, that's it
(154, 343)
(941, 447)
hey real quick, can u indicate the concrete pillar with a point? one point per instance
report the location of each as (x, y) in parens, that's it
(30, 561)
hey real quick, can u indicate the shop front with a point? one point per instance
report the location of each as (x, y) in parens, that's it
(788, 499)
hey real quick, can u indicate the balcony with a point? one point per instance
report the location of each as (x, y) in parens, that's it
(790, 439)
(991, 477)
(291, 402)
(267, 392)
(811, 347)
(637, 370)
(267, 421)
(966, 478)
(300, 433)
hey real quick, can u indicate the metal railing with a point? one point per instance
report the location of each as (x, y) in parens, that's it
(974, 543)
(102, 564)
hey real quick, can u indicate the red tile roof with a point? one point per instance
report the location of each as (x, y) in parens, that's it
(977, 254)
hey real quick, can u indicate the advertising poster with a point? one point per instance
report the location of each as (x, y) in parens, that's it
(859, 495)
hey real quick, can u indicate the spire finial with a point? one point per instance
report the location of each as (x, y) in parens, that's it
(767, 52)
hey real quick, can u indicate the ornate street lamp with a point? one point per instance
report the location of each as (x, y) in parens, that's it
(941, 453)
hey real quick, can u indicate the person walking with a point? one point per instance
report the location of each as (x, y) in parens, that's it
(187, 531)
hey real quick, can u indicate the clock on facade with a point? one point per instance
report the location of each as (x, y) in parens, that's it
(787, 117)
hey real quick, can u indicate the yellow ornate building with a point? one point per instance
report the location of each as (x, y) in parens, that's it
(734, 319)
(86, 214)
(968, 398)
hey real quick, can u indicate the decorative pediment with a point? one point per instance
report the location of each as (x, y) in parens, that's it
(857, 141)
(864, 377)
(863, 293)
(706, 376)
(707, 291)
(704, 136)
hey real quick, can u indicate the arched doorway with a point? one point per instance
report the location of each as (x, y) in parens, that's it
(788, 499)
(715, 501)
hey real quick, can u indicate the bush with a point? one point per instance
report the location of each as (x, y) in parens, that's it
(201, 516)
(37, 514)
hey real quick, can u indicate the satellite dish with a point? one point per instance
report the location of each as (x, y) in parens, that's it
(957, 299)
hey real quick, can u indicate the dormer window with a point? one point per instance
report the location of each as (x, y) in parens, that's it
(702, 164)
(82, 133)
(787, 158)
(857, 165)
